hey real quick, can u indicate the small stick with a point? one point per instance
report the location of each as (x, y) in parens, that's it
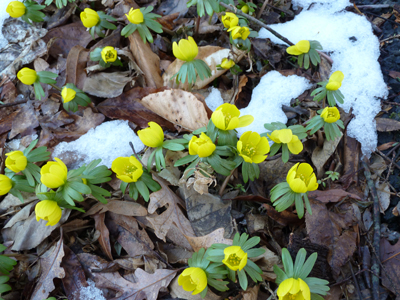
(137, 156)
(375, 6)
(377, 232)
(387, 159)
(14, 103)
(390, 38)
(224, 184)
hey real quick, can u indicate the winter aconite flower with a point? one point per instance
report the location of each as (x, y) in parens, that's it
(335, 81)
(152, 136)
(300, 48)
(135, 16)
(109, 54)
(5, 184)
(245, 9)
(230, 20)
(286, 136)
(201, 146)
(16, 161)
(128, 169)
(227, 63)
(16, 9)
(193, 280)
(226, 117)
(235, 258)
(252, 147)
(186, 50)
(90, 18)
(301, 178)
(239, 32)
(27, 76)
(330, 114)
(293, 288)
(54, 174)
(67, 94)
(48, 210)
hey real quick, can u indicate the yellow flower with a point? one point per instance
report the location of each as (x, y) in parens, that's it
(193, 279)
(239, 32)
(67, 94)
(16, 161)
(330, 114)
(226, 117)
(152, 136)
(227, 63)
(27, 76)
(300, 48)
(128, 169)
(293, 289)
(286, 136)
(187, 50)
(109, 54)
(201, 146)
(89, 18)
(335, 81)
(245, 9)
(230, 20)
(301, 178)
(54, 174)
(235, 258)
(5, 184)
(16, 9)
(252, 147)
(135, 16)
(48, 210)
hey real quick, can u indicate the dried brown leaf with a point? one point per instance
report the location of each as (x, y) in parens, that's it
(333, 195)
(25, 121)
(106, 85)
(104, 239)
(179, 107)
(147, 285)
(50, 268)
(332, 230)
(389, 255)
(321, 155)
(125, 208)
(67, 37)
(74, 278)
(172, 222)
(383, 192)
(385, 124)
(251, 293)
(217, 236)
(147, 60)
(284, 218)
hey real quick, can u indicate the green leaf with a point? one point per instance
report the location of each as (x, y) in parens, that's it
(306, 61)
(143, 190)
(300, 259)
(287, 262)
(274, 149)
(255, 252)
(133, 191)
(250, 243)
(242, 279)
(285, 153)
(185, 160)
(80, 187)
(299, 205)
(173, 146)
(254, 275)
(308, 266)
(150, 182)
(6, 264)
(281, 276)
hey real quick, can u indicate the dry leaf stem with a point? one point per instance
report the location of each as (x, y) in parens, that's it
(14, 103)
(375, 268)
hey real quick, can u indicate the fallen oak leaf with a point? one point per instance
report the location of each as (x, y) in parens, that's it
(106, 85)
(147, 286)
(50, 268)
(179, 107)
(217, 236)
(172, 221)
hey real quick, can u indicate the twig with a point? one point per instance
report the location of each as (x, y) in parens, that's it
(378, 16)
(391, 103)
(355, 281)
(224, 184)
(393, 149)
(258, 22)
(390, 38)
(14, 103)
(262, 9)
(375, 6)
(377, 231)
(387, 159)
(288, 12)
(137, 156)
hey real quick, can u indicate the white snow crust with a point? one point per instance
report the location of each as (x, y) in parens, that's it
(214, 99)
(355, 51)
(107, 141)
(3, 16)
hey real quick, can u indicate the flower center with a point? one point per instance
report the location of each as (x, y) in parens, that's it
(129, 170)
(249, 150)
(109, 55)
(301, 176)
(234, 260)
(228, 116)
(331, 114)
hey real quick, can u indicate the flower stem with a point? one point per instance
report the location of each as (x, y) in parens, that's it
(224, 184)
(54, 86)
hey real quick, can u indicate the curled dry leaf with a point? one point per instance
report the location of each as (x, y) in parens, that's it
(212, 55)
(217, 236)
(25, 121)
(321, 155)
(284, 218)
(146, 286)
(171, 222)
(50, 269)
(179, 107)
(386, 124)
(383, 191)
(104, 238)
(76, 64)
(119, 207)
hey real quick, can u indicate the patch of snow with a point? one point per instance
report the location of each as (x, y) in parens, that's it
(355, 51)
(335, 5)
(273, 91)
(107, 141)
(91, 292)
(214, 99)
(3, 16)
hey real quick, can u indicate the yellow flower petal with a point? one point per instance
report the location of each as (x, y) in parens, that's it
(16, 161)
(230, 20)
(252, 147)
(285, 287)
(54, 174)
(227, 63)
(336, 76)
(16, 9)
(48, 210)
(303, 46)
(193, 279)
(285, 135)
(152, 136)
(67, 94)
(293, 50)
(295, 146)
(201, 146)
(109, 54)
(245, 121)
(89, 17)
(135, 16)
(27, 76)
(333, 86)
(235, 258)
(186, 50)
(5, 184)
(128, 169)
